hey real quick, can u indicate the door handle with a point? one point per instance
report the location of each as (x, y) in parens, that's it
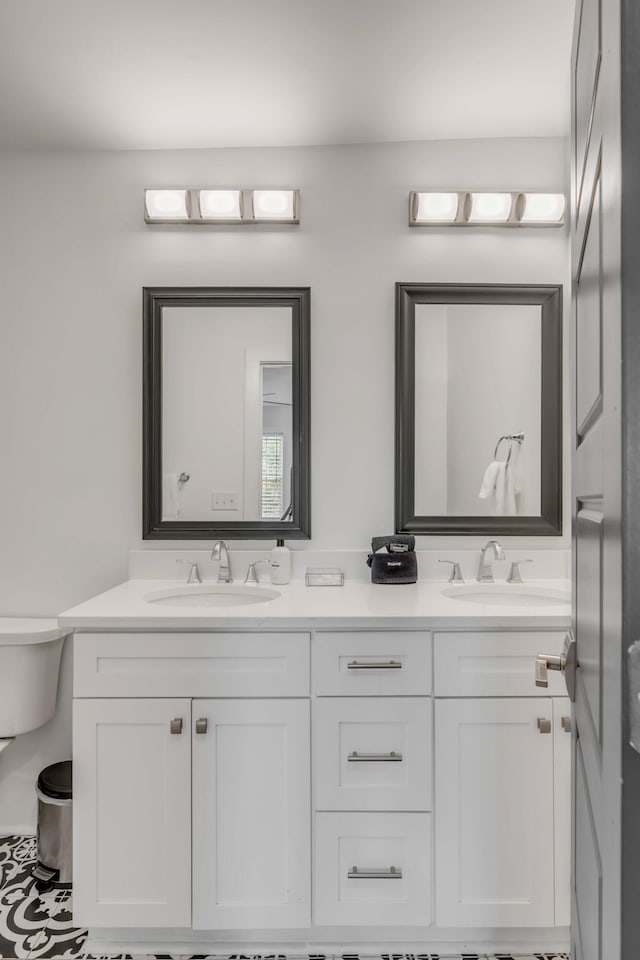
(544, 725)
(176, 725)
(544, 662)
(566, 662)
(201, 725)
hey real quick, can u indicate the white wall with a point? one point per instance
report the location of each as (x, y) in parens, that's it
(74, 255)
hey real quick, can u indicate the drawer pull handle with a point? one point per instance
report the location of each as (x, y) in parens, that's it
(176, 725)
(392, 757)
(544, 725)
(201, 725)
(566, 724)
(369, 665)
(393, 873)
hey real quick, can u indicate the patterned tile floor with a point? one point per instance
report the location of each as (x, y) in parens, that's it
(34, 925)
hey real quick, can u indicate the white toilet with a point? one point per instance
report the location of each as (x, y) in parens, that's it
(30, 651)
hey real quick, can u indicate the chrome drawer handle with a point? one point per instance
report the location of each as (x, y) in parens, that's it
(201, 725)
(544, 725)
(368, 665)
(392, 757)
(176, 725)
(393, 873)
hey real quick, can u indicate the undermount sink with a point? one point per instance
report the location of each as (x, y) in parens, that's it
(508, 595)
(212, 595)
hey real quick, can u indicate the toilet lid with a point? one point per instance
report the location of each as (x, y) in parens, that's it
(55, 781)
(15, 630)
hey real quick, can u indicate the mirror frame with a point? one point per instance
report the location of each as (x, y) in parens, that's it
(549, 298)
(154, 301)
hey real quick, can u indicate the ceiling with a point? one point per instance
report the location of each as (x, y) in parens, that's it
(135, 74)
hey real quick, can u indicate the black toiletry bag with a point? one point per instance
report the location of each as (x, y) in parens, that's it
(398, 565)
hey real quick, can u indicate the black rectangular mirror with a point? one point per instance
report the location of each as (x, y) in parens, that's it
(226, 413)
(478, 409)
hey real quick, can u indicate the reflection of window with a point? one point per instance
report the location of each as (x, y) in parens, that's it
(272, 476)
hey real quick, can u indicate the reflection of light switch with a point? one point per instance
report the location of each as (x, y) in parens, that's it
(224, 501)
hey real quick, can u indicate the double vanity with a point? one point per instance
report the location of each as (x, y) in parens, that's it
(342, 768)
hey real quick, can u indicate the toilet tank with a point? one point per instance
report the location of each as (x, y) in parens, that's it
(30, 651)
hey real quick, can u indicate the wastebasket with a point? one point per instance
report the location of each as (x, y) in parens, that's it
(54, 844)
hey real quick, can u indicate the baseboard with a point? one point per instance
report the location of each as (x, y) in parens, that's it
(136, 942)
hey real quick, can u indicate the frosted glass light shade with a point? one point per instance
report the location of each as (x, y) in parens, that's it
(543, 208)
(436, 207)
(220, 204)
(274, 204)
(165, 205)
(489, 207)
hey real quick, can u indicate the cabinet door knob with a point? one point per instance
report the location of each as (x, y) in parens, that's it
(566, 724)
(544, 725)
(176, 725)
(201, 725)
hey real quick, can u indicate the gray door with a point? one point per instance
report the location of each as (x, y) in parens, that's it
(605, 155)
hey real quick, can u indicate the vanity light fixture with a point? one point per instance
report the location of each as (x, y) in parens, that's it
(541, 207)
(435, 207)
(168, 206)
(275, 205)
(464, 208)
(222, 206)
(489, 207)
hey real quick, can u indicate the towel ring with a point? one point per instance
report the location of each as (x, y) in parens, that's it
(518, 437)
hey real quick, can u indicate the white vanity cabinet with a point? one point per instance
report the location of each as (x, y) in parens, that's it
(327, 786)
(502, 767)
(192, 811)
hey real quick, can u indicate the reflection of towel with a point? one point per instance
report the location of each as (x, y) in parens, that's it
(498, 484)
(170, 488)
(489, 480)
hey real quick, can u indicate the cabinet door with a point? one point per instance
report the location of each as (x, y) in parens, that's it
(132, 813)
(494, 813)
(251, 814)
(562, 807)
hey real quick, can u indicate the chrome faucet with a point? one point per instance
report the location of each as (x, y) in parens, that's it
(485, 572)
(194, 573)
(221, 552)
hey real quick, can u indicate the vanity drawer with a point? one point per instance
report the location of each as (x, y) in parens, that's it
(191, 665)
(373, 754)
(351, 845)
(495, 664)
(365, 664)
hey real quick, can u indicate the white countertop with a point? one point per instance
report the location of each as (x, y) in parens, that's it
(411, 605)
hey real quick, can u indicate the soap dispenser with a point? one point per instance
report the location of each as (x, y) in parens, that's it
(280, 563)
